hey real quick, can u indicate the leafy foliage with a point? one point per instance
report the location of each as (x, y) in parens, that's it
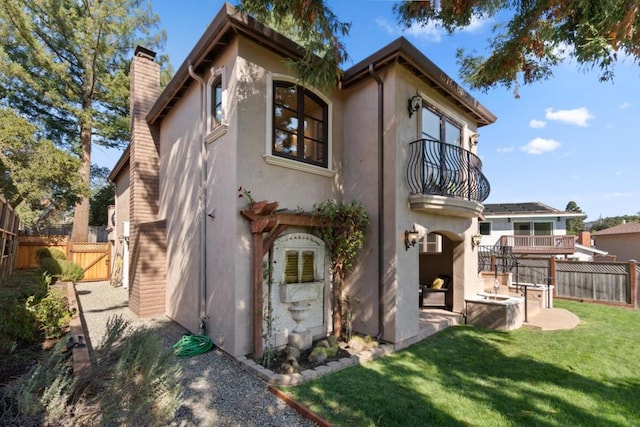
(343, 234)
(37, 178)
(19, 327)
(537, 36)
(100, 202)
(64, 66)
(574, 225)
(52, 313)
(312, 25)
(609, 222)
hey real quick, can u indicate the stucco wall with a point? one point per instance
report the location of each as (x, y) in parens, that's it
(400, 272)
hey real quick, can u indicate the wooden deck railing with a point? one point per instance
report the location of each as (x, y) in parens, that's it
(539, 244)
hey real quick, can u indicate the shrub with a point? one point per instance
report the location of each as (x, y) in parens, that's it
(71, 271)
(55, 253)
(52, 313)
(62, 269)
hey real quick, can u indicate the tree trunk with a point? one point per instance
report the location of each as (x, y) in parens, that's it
(337, 302)
(80, 231)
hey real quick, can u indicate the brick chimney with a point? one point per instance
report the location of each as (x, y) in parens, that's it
(584, 238)
(147, 244)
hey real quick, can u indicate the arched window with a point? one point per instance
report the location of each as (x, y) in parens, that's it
(300, 124)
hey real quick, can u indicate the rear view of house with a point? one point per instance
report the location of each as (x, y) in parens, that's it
(399, 136)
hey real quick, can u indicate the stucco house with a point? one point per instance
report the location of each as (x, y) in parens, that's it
(397, 134)
(622, 241)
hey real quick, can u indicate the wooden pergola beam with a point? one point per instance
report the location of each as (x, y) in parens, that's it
(263, 218)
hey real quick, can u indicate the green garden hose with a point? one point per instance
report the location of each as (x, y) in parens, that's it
(192, 345)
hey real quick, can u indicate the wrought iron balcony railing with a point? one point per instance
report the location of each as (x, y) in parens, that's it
(447, 170)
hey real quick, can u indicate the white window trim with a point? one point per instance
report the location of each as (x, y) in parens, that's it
(270, 158)
(220, 129)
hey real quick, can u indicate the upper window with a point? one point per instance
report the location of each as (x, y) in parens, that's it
(216, 103)
(438, 127)
(300, 119)
(484, 228)
(533, 228)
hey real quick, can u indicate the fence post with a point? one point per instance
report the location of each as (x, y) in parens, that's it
(633, 282)
(551, 281)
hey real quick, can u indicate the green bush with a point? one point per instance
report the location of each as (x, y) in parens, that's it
(62, 269)
(71, 271)
(19, 327)
(55, 253)
(52, 313)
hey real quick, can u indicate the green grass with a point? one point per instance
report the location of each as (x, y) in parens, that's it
(466, 376)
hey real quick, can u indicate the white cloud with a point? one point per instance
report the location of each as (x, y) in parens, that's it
(537, 124)
(477, 23)
(578, 116)
(504, 150)
(625, 105)
(431, 32)
(383, 24)
(540, 145)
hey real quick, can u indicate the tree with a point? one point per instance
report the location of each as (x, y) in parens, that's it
(99, 206)
(537, 35)
(574, 225)
(312, 25)
(64, 66)
(343, 234)
(37, 179)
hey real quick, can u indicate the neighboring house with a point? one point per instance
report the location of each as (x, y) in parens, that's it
(623, 241)
(400, 136)
(530, 228)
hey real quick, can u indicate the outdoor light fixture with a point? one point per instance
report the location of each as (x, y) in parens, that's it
(473, 139)
(415, 103)
(475, 240)
(411, 238)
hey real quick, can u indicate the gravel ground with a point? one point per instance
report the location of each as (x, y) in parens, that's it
(217, 390)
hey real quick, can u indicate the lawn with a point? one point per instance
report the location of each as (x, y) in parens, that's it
(466, 376)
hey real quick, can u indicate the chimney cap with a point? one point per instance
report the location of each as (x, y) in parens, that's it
(143, 52)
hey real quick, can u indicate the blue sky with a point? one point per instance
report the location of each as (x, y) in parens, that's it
(568, 138)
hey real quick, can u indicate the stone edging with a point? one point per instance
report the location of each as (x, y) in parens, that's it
(77, 342)
(298, 378)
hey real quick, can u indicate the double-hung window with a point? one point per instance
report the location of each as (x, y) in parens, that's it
(216, 103)
(300, 120)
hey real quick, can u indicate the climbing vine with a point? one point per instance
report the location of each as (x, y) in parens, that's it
(343, 232)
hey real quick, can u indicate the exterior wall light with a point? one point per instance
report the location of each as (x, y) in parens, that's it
(415, 103)
(411, 238)
(473, 139)
(475, 240)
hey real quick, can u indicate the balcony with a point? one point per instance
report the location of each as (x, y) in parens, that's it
(543, 245)
(445, 179)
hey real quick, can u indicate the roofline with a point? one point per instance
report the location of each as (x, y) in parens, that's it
(542, 215)
(228, 20)
(591, 249)
(401, 50)
(120, 164)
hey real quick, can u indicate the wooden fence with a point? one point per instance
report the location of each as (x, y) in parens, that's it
(94, 258)
(9, 223)
(608, 282)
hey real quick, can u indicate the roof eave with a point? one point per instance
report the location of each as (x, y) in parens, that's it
(226, 24)
(120, 165)
(408, 55)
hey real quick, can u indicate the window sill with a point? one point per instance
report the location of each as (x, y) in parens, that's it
(216, 133)
(303, 167)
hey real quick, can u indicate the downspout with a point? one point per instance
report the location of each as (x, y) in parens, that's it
(202, 300)
(381, 310)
